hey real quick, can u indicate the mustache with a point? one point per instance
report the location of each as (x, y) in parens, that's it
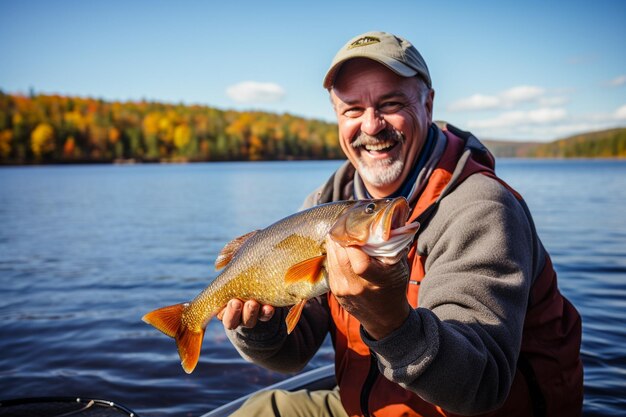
(363, 139)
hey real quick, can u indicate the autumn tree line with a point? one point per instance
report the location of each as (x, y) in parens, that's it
(59, 129)
(609, 143)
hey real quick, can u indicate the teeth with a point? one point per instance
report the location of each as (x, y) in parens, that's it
(379, 145)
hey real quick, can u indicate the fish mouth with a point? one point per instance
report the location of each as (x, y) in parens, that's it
(391, 222)
(390, 235)
(377, 224)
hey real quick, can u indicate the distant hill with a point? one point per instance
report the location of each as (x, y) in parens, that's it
(42, 129)
(601, 144)
(510, 149)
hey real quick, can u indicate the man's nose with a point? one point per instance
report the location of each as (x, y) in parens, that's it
(373, 122)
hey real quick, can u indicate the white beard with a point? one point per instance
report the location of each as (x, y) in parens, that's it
(382, 172)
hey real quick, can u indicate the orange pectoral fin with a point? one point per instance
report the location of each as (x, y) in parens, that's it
(294, 316)
(307, 270)
(230, 250)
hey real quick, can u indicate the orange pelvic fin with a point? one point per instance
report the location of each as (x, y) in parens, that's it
(230, 250)
(308, 270)
(294, 316)
(169, 321)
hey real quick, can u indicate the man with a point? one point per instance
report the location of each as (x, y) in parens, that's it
(472, 322)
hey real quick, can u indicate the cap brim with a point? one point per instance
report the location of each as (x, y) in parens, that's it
(394, 65)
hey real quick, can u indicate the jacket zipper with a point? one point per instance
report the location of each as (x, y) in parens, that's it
(368, 384)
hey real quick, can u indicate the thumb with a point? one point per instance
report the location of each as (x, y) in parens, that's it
(359, 260)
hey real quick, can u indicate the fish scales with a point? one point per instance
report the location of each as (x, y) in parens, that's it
(258, 270)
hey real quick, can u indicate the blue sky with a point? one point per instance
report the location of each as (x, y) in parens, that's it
(509, 70)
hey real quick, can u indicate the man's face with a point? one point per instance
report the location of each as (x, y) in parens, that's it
(383, 122)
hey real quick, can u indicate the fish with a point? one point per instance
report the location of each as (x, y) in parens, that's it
(285, 264)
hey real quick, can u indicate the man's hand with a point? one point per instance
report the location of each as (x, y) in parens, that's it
(247, 314)
(370, 290)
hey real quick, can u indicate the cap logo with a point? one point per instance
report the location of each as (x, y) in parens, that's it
(364, 41)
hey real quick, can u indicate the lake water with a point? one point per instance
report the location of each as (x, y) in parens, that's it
(85, 251)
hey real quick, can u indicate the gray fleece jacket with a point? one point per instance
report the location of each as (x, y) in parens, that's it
(459, 348)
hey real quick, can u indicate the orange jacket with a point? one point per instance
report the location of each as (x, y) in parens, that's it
(548, 381)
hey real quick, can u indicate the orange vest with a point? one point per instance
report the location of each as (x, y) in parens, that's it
(548, 381)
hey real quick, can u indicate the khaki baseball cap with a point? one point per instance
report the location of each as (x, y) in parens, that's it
(396, 53)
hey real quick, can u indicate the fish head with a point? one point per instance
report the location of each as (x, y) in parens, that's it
(373, 221)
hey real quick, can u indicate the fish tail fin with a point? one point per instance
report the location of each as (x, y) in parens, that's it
(189, 342)
(167, 319)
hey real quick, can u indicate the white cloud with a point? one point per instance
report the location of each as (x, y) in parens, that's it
(545, 124)
(620, 113)
(517, 118)
(521, 94)
(255, 92)
(552, 101)
(505, 99)
(618, 81)
(546, 115)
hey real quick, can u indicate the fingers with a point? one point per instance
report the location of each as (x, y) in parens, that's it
(368, 289)
(338, 256)
(267, 312)
(231, 314)
(359, 260)
(237, 313)
(350, 260)
(341, 278)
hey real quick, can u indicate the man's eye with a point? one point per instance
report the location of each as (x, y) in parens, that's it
(390, 106)
(353, 112)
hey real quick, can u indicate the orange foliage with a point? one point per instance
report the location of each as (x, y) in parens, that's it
(100, 130)
(42, 139)
(166, 129)
(69, 147)
(256, 148)
(241, 126)
(182, 136)
(5, 143)
(151, 124)
(76, 120)
(114, 135)
(17, 118)
(205, 150)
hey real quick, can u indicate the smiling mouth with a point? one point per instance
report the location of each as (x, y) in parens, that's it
(377, 147)
(380, 146)
(383, 142)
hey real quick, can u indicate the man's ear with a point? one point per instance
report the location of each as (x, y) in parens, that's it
(430, 99)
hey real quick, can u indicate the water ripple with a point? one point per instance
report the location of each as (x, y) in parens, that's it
(86, 251)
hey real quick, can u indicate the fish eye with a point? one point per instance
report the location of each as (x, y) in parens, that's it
(369, 209)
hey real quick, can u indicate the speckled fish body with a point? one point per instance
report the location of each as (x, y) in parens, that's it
(284, 264)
